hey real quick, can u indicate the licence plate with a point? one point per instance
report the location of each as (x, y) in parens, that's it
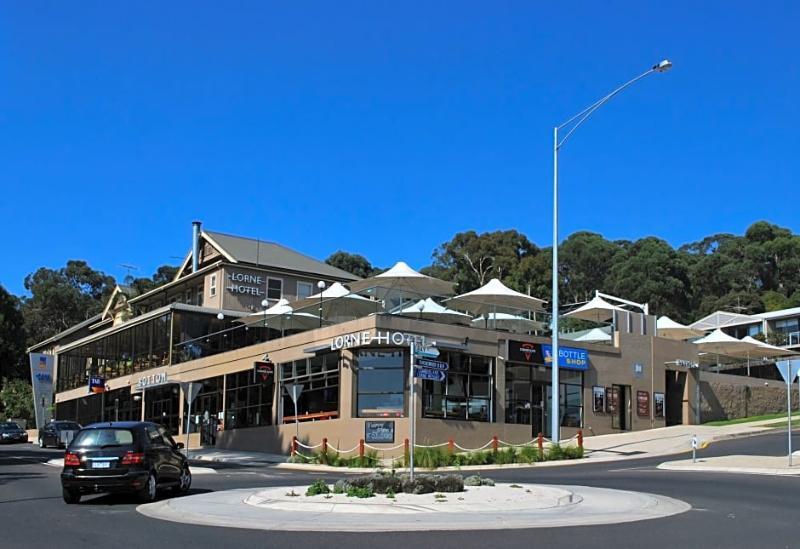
(101, 465)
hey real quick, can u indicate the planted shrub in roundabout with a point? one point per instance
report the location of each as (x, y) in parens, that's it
(390, 484)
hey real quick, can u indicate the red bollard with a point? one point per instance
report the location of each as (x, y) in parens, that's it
(294, 445)
(451, 446)
(324, 446)
(405, 451)
(494, 443)
(361, 448)
(540, 442)
(580, 439)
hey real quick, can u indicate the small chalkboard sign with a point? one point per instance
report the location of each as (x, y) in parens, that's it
(379, 431)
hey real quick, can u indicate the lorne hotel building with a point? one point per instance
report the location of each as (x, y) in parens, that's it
(248, 325)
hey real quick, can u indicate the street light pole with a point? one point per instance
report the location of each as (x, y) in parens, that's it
(573, 124)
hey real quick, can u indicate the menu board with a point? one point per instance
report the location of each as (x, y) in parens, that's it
(642, 403)
(379, 431)
(599, 399)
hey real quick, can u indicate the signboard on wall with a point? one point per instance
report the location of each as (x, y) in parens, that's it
(42, 380)
(658, 405)
(263, 371)
(569, 358)
(97, 384)
(643, 403)
(612, 394)
(523, 351)
(599, 399)
(379, 432)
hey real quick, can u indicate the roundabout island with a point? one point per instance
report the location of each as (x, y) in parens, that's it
(485, 507)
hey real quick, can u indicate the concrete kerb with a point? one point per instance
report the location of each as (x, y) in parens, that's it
(485, 509)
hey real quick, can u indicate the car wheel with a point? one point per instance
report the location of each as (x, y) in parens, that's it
(71, 497)
(149, 491)
(186, 481)
(41, 443)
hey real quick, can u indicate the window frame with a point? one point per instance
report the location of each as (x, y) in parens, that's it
(304, 284)
(269, 279)
(212, 285)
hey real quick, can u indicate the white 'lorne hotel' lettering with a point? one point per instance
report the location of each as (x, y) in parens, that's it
(245, 279)
(359, 339)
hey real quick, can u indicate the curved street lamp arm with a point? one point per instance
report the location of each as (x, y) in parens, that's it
(587, 112)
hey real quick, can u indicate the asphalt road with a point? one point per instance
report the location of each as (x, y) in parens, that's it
(728, 510)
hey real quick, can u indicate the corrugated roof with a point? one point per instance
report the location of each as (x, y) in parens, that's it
(270, 254)
(794, 311)
(722, 319)
(61, 335)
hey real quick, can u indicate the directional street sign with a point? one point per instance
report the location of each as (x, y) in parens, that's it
(432, 364)
(433, 375)
(427, 352)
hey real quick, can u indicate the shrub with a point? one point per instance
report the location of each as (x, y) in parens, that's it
(390, 493)
(360, 492)
(317, 488)
(477, 480)
(503, 457)
(341, 486)
(555, 452)
(431, 458)
(380, 483)
(370, 459)
(529, 454)
(448, 483)
(573, 452)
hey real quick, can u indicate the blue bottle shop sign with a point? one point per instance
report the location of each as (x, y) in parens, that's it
(569, 358)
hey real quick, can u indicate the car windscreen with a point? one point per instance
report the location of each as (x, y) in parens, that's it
(102, 438)
(67, 426)
(9, 427)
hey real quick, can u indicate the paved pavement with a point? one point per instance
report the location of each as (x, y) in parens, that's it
(601, 448)
(729, 511)
(754, 465)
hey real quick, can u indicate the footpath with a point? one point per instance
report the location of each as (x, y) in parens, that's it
(601, 448)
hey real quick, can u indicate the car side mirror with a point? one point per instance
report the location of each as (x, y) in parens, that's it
(179, 445)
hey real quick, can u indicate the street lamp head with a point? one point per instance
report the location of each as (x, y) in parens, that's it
(663, 66)
(321, 284)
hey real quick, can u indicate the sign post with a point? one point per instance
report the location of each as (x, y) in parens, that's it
(190, 390)
(694, 448)
(411, 410)
(788, 370)
(294, 391)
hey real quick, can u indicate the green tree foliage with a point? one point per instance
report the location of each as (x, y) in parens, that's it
(352, 263)
(471, 259)
(62, 298)
(16, 398)
(12, 337)
(163, 275)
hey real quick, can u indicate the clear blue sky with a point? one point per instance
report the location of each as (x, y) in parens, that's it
(383, 128)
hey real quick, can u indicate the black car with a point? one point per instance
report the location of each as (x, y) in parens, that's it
(124, 457)
(11, 432)
(56, 432)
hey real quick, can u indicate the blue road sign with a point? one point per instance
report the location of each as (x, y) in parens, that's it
(432, 364)
(432, 375)
(426, 352)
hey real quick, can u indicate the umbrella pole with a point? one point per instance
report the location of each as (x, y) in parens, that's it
(748, 363)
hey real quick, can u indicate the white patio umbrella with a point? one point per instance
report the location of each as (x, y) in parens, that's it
(506, 321)
(404, 280)
(337, 302)
(668, 328)
(430, 310)
(720, 343)
(594, 335)
(282, 316)
(597, 310)
(761, 350)
(495, 294)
